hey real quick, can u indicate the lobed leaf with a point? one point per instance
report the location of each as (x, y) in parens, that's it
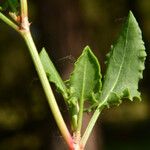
(125, 65)
(52, 73)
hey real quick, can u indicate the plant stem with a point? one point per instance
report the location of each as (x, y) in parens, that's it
(24, 15)
(77, 133)
(9, 22)
(24, 8)
(80, 115)
(24, 30)
(42, 75)
(90, 126)
(48, 91)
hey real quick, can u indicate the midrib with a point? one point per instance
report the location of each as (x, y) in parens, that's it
(84, 79)
(119, 72)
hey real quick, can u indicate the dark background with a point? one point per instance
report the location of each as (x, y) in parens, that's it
(65, 27)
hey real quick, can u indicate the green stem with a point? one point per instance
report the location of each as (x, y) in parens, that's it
(9, 22)
(80, 115)
(77, 133)
(90, 127)
(46, 86)
(24, 8)
(24, 15)
(42, 75)
(25, 32)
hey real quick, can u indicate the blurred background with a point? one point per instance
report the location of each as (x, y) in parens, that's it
(64, 28)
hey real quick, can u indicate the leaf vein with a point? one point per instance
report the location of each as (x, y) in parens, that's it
(119, 72)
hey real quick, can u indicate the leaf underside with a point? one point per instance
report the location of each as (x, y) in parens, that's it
(125, 65)
(52, 73)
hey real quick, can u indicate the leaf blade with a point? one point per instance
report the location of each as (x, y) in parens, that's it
(52, 73)
(125, 65)
(11, 5)
(85, 84)
(86, 77)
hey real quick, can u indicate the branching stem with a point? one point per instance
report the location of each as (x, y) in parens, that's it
(42, 75)
(24, 30)
(24, 8)
(48, 91)
(9, 22)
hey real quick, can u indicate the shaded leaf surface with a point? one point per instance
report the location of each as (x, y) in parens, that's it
(10, 5)
(52, 73)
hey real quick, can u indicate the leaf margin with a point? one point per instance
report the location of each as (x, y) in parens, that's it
(141, 56)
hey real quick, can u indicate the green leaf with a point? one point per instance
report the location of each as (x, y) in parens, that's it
(52, 73)
(85, 84)
(10, 5)
(85, 81)
(125, 65)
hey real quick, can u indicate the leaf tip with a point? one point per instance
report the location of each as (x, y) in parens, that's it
(131, 16)
(130, 13)
(87, 49)
(42, 52)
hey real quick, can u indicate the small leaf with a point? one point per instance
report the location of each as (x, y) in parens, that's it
(86, 78)
(125, 65)
(52, 73)
(10, 5)
(85, 84)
